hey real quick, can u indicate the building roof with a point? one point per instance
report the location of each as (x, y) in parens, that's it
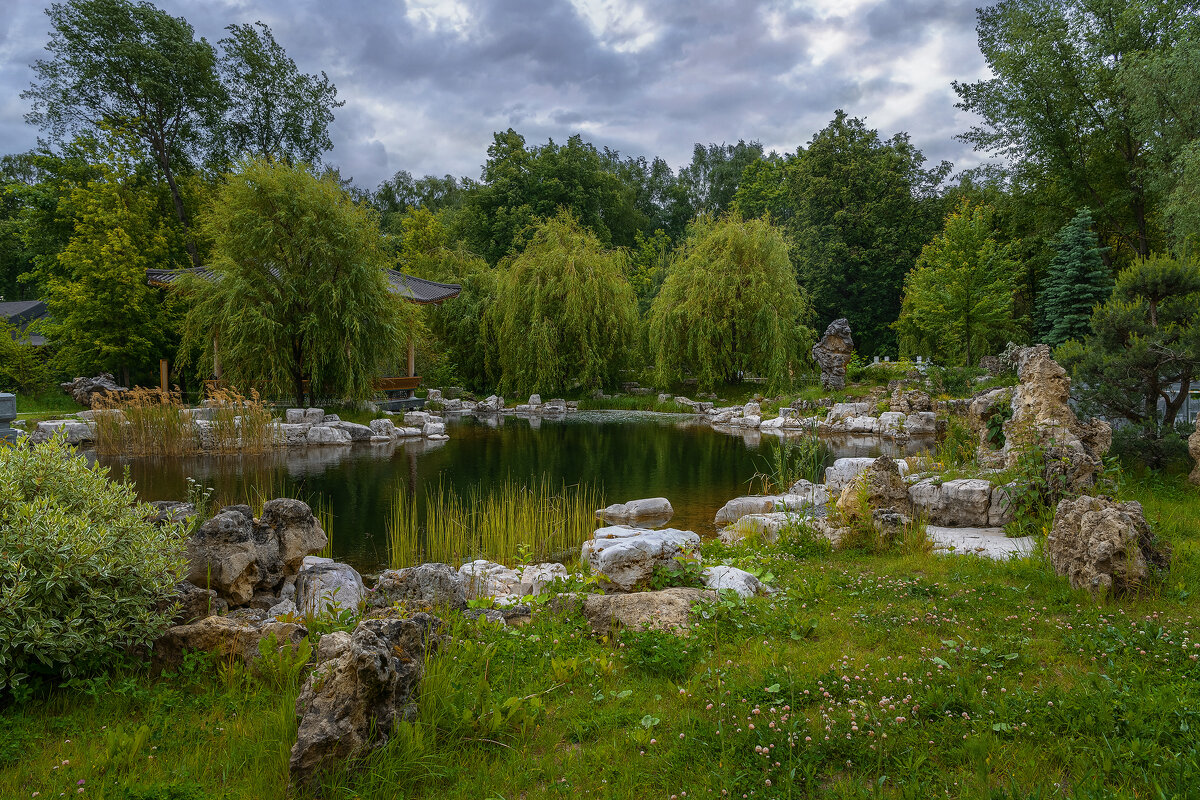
(410, 287)
(21, 313)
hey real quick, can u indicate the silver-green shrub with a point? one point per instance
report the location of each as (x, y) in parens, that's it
(83, 574)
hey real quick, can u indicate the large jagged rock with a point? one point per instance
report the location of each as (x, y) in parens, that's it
(625, 558)
(1041, 412)
(666, 610)
(832, 353)
(350, 704)
(1194, 452)
(240, 556)
(1102, 545)
(909, 401)
(222, 555)
(224, 637)
(90, 391)
(880, 485)
(194, 604)
(434, 585)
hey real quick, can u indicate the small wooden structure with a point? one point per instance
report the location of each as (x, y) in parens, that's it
(409, 287)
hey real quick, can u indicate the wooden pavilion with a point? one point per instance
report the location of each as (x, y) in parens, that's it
(409, 287)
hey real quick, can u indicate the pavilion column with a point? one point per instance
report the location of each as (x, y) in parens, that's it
(412, 358)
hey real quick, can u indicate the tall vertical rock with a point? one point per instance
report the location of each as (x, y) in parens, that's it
(1194, 452)
(833, 353)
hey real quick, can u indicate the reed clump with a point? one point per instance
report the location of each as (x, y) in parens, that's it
(153, 422)
(508, 523)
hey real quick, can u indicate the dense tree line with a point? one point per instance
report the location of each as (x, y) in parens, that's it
(582, 267)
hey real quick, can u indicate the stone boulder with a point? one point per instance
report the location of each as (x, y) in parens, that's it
(966, 502)
(1194, 452)
(722, 578)
(657, 508)
(350, 704)
(90, 391)
(76, 431)
(882, 487)
(538, 576)
(833, 352)
(1102, 545)
(909, 401)
(844, 470)
(762, 527)
(222, 555)
(325, 435)
(194, 604)
(326, 588)
(383, 427)
(801, 501)
(1041, 409)
(356, 432)
(434, 585)
(224, 637)
(666, 610)
(293, 525)
(488, 579)
(625, 558)
(170, 511)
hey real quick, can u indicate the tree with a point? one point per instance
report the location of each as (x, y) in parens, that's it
(118, 65)
(1183, 203)
(1145, 344)
(522, 185)
(1077, 282)
(1062, 101)
(279, 111)
(730, 305)
(863, 208)
(564, 313)
(298, 290)
(460, 330)
(709, 183)
(103, 316)
(958, 302)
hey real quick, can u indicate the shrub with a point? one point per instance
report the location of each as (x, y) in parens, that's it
(22, 367)
(83, 574)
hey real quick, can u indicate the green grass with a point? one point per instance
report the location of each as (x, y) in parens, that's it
(51, 404)
(964, 678)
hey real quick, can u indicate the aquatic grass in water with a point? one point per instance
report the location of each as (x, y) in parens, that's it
(509, 523)
(152, 422)
(791, 460)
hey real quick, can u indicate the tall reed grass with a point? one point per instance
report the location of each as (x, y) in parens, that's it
(152, 422)
(793, 459)
(506, 523)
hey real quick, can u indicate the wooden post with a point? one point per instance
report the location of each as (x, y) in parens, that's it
(162, 374)
(412, 358)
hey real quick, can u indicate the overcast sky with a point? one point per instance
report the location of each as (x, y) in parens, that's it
(426, 82)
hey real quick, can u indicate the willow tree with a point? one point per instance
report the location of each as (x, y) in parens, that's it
(731, 305)
(564, 315)
(298, 290)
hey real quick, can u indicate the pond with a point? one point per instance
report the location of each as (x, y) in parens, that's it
(625, 455)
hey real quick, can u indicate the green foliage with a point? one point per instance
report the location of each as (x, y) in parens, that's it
(1063, 103)
(957, 445)
(299, 291)
(521, 185)
(83, 574)
(277, 111)
(22, 365)
(1077, 282)
(862, 209)
(995, 424)
(459, 330)
(102, 315)
(958, 302)
(114, 63)
(564, 313)
(730, 304)
(661, 655)
(1145, 340)
(684, 570)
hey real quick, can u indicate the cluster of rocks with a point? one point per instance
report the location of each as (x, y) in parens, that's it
(1041, 413)
(90, 391)
(551, 407)
(312, 426)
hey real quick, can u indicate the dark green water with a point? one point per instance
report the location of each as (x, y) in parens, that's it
(626, 454)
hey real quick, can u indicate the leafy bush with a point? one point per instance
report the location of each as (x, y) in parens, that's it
(83, 575)
(956, 381)
(1142, 445)
(22, 367)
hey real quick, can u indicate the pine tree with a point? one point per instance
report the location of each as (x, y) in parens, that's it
(1076, 283)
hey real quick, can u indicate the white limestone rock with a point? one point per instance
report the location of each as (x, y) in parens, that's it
(329, 589)
(626, 557)
(645, 508)
(722, 578)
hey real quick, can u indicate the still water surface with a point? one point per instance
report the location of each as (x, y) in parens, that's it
(626, 455)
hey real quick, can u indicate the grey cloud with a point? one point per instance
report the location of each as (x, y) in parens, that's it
(428, 99)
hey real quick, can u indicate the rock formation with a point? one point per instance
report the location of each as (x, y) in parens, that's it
(1102, 545)
(350, 703)
(87, 391)
(832, 354)
(1194, 452)
(625, 558)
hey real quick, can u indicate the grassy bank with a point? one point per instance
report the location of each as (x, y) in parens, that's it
(865, 676)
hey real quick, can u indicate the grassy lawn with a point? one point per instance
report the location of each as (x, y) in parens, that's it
(864, 676)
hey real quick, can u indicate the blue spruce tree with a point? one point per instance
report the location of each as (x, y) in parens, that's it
(1077, 281)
